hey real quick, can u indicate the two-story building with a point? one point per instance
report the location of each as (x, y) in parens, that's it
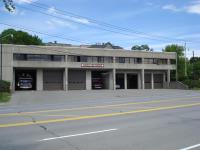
(80, 68)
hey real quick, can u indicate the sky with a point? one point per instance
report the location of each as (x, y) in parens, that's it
(122, 22)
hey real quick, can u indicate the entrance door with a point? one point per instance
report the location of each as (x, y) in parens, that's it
(132, 81)
(119, 81)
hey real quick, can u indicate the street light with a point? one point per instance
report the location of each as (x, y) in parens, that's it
(1, 37)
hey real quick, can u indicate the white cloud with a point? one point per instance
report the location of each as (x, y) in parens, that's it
(80, 20)
(171, 7)
(53, 11)
(193, 8)
(24, 1)
(54, 23)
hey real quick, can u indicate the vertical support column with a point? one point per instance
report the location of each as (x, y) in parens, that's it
(125, 80)
(164, 80)
(152, 80)
(13, 83)
(88, 80)
(114, 74)
(66, 79)
(168, 61)
(168, 77)
(164, 77)
(65, 76)
(114, 79)
(139, 81)
(110, 80)
(39, 79)
(142, 78)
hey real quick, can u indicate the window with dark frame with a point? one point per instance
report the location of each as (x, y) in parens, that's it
(38, 57)
(100, 59)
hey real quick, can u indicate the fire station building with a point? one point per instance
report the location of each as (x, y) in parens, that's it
(81, 68)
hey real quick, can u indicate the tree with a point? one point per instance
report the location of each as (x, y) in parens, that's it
(144, 47)
(20, 37)
(105, 45)
(175, 48)
(194, 68)
(180, 60)
(9, 5)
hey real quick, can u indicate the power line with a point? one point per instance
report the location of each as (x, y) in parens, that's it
(62, 12)
(60, 36)
(86, 25)
(23, 28)
(58, 17)
(38, 32)
(62, 18)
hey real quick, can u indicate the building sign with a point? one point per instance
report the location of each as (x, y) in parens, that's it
(92, 65)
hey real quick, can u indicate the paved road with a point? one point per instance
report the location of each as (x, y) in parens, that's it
(102, 120)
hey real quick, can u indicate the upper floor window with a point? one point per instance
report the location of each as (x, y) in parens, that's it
(82, 58)
(159, 61)
(162, 61)
(120, 59)
(173, 61)
(92, 59)
(73, 58)
(100, 59)
(149, 61)
(155, 61)
(128, 60)
(19, 57)
(108, 59)
(38, 57)
(138, 60)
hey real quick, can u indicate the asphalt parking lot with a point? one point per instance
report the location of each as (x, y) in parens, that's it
(101, 120)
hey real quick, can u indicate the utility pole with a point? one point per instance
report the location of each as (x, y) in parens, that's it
(185, 61)
(193, 64)
(176, 67)
(1, 59)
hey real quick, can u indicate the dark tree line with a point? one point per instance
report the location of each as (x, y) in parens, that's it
(20, 37)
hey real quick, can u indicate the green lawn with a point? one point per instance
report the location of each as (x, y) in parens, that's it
(4, 97)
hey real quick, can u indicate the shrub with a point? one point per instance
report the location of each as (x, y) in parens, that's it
(4, 86)
(4, 97)
(192, 83)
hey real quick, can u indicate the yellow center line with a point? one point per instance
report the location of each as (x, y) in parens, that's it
(95, 107)
(98, 115)
(47, 115)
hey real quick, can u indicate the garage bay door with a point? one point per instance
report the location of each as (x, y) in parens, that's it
(25, 79)
(158, 81)
(53, 79)
(76, 80)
